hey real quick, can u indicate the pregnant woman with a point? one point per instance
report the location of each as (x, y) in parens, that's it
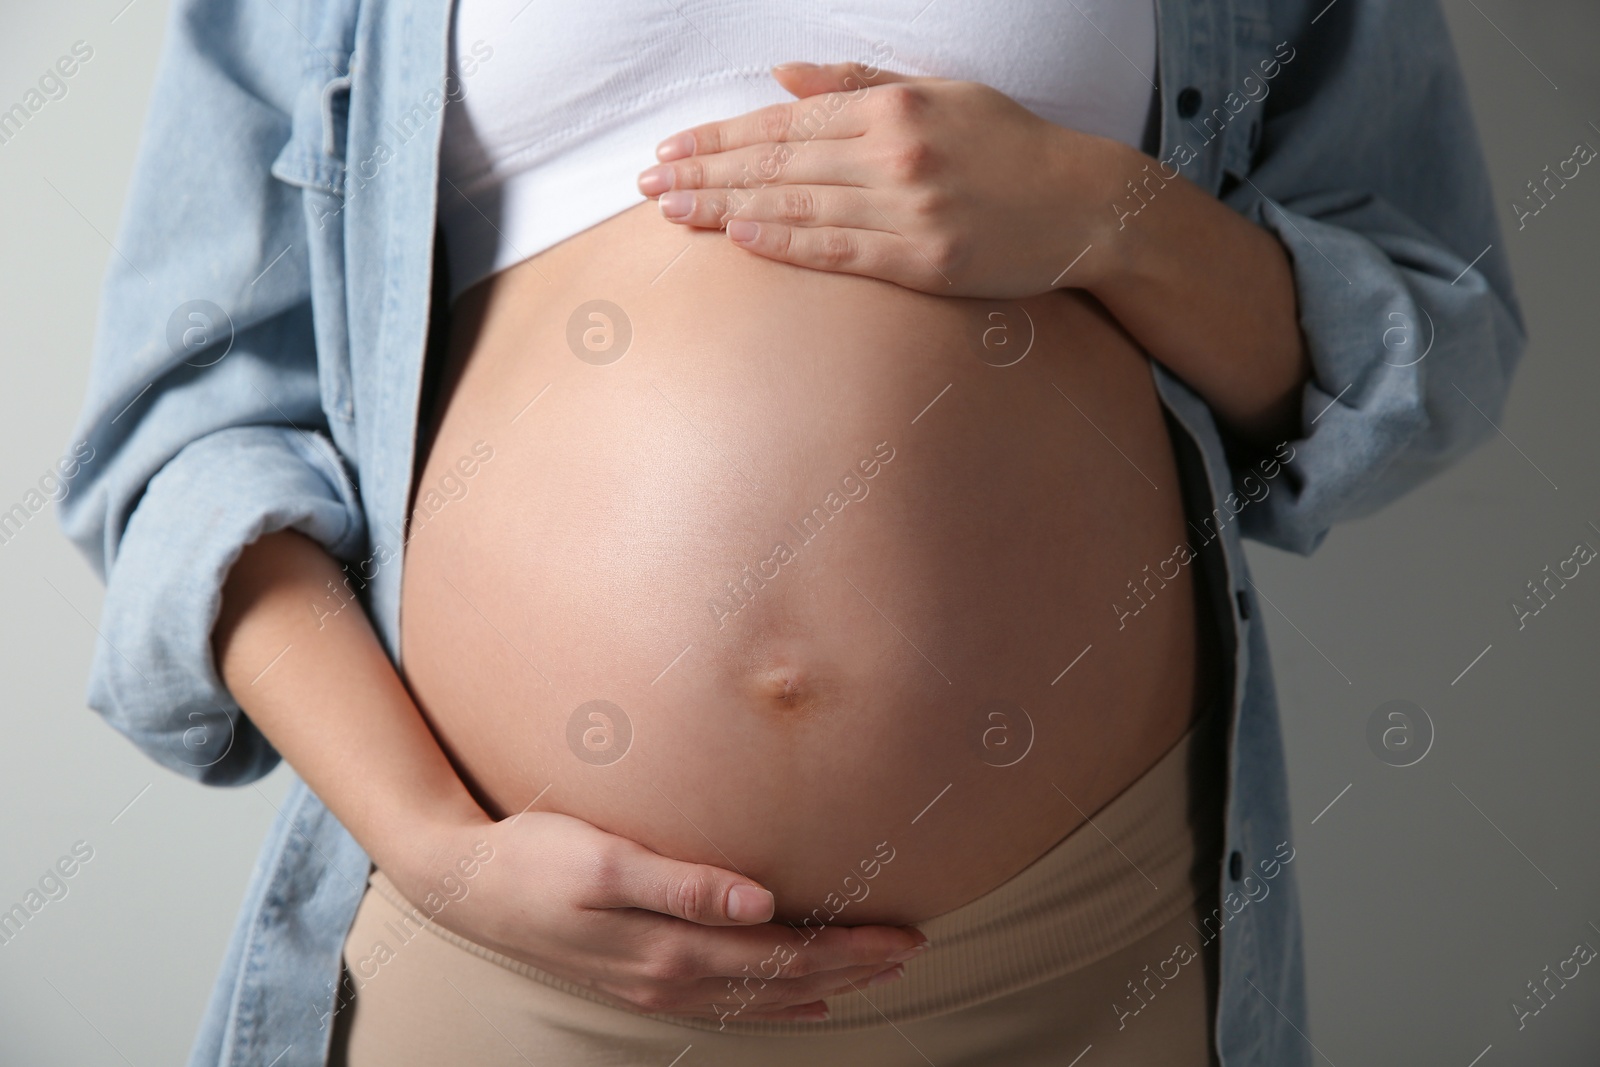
(742, 555)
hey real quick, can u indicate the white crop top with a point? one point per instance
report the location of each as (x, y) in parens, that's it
(557, 105)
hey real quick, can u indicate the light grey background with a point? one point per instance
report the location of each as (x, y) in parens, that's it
(1432, 893)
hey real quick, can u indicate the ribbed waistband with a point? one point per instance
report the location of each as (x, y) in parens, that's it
(1135, 865)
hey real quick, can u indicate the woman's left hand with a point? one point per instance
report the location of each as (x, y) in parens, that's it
(946, 187)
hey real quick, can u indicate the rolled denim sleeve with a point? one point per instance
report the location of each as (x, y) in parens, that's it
(204, 422)
(1371, 176)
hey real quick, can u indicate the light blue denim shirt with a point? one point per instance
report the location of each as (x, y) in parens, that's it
(287, 177)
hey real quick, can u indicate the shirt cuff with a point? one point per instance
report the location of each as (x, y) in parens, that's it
(153, 676)
(1403, 340)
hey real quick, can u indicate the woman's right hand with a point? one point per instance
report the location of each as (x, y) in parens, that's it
(656, 934)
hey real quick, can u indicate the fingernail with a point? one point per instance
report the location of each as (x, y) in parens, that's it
(909, 954)
(655, 180)
(814, 1015)
(885, 977)
(677, 204)
(795, 65)
(675, 147)
(749, 904)
(742, 231)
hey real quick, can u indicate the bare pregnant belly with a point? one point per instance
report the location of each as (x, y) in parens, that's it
(784, 571)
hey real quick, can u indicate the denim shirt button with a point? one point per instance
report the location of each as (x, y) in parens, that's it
(1242, 598)
(1236, 865)
(1188, 102)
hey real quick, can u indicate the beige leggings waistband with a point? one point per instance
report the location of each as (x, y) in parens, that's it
(1136, 866)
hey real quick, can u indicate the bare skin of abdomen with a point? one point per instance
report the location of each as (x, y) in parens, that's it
(821, 557)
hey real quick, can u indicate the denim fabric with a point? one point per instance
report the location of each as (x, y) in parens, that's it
(287, 174)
